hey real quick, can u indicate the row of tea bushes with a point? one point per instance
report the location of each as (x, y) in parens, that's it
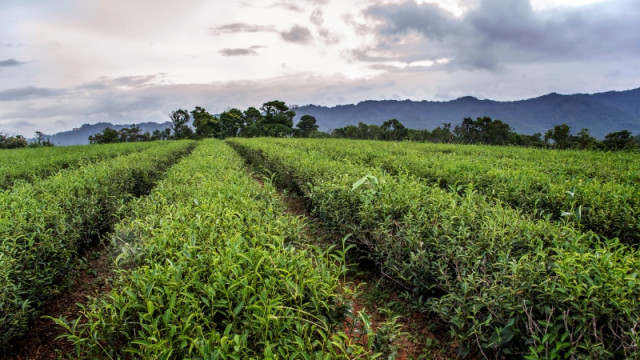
(36, 163)
(212, 268)
(619, 167)
(608, 166)
(505, 283)
(608, 206)
(44, 226)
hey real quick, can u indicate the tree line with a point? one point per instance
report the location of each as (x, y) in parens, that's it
(19, 141)
(276, 119)
(485, 130)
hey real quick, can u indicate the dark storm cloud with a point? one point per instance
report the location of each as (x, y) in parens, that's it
(11, 62)
(30, 92)
(238, 52)
(240, 28)
(297, 34)
(428, 19)
(502, 31)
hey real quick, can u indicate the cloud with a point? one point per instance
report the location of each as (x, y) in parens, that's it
(238, 52)
(495, 33)
(30, 92)
(21, 124)
(241, 28)
(11, 62)
(317, 17)
(145, 98)
(291, 6)
(136, 80)
(297, 34)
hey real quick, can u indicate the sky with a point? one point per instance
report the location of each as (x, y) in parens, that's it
(65, 63)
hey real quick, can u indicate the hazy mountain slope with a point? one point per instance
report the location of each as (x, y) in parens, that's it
(601, 113)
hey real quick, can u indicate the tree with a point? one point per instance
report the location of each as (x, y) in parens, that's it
(39, 137)
(586, 141)
(12, 142)
(107, 136)
(206, 124)
(307, 125)
(418, 135)
(131, 134)
(620, 140)
(348, 132)
(483, 130)
(560, 135)
(252, 123)
(394, 130)
(231, 121)
(278, 119)
(40, 141)
(179, 119)
(442, 134)
(495, 132)
(161, 135)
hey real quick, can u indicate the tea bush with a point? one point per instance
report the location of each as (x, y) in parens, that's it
(505, 283)
(212, 268)
(44, 226)
(31, 164)
(594, 190)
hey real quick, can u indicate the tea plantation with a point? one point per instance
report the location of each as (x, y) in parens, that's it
(520, 253)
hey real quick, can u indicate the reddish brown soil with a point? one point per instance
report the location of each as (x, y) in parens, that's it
(40, 342)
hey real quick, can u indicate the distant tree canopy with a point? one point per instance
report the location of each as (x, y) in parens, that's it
(206, 124)
(179, 124)
(621, 140)
(126, 134)
(485, 130)
(40, 141)
(306, 127)
(276, 119)
(12, 142)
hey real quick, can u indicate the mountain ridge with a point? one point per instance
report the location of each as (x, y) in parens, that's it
(601, 113)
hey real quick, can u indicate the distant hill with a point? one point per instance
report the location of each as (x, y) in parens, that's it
(601, 113)
(80, 136)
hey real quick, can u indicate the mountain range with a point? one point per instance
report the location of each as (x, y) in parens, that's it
(601, 113)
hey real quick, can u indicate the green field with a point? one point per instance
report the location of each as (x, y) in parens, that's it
(37, 163)
(518, 252)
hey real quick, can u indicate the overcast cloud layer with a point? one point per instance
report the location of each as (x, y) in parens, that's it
(75, 62)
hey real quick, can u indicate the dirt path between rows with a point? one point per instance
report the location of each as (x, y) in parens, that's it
(421, 336)
(40, 341)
